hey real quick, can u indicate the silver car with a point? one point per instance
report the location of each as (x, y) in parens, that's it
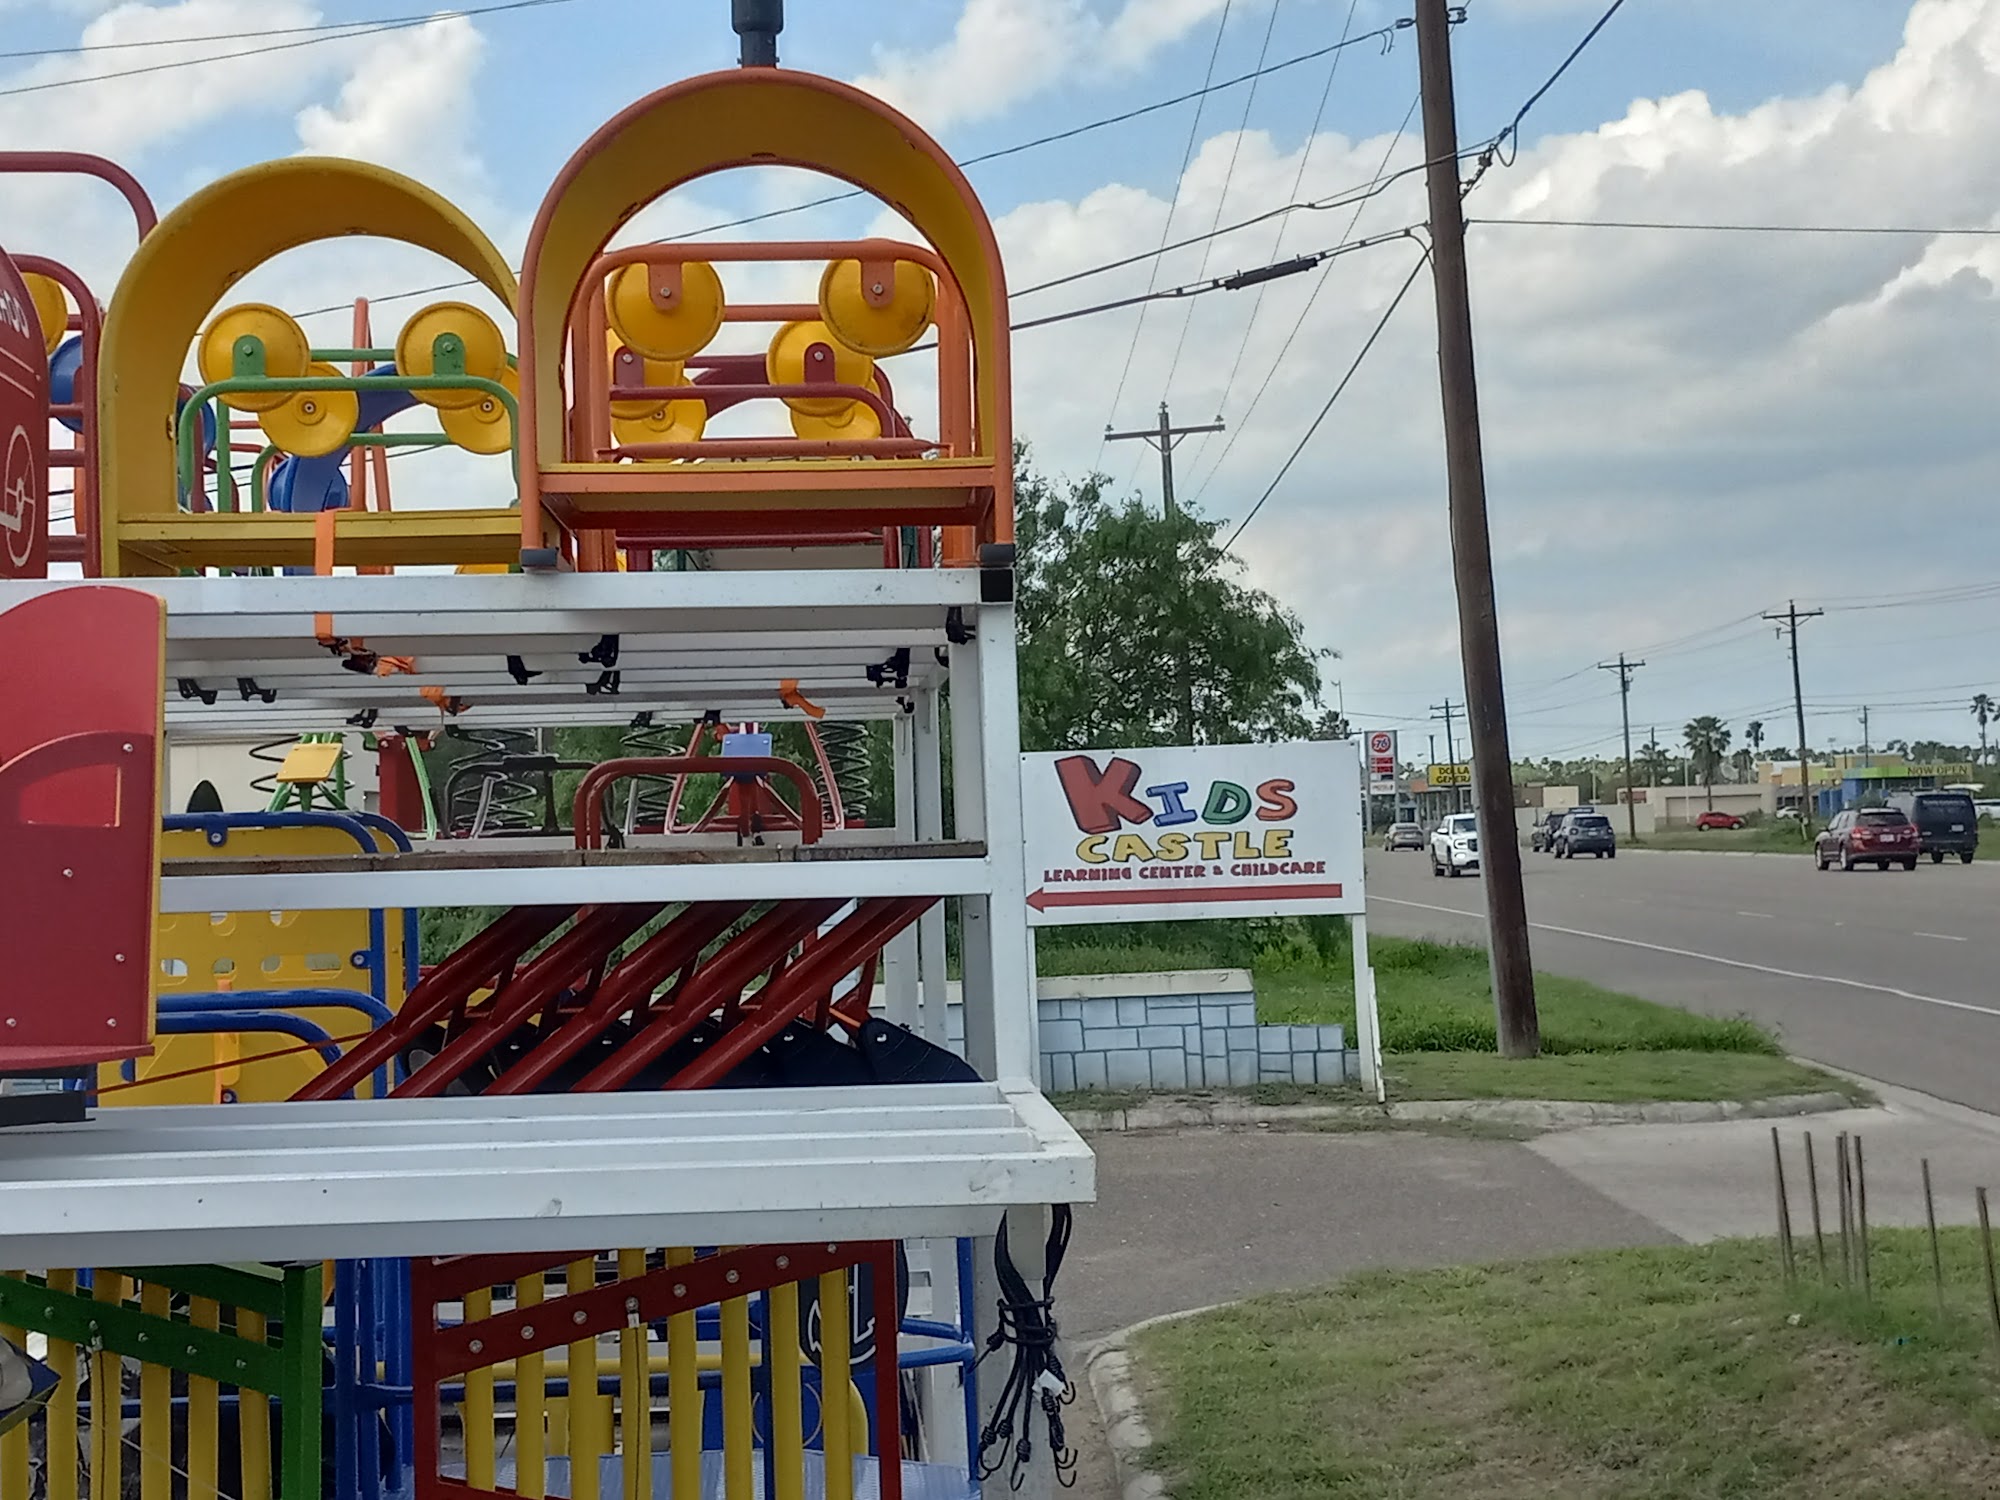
(1404, 836)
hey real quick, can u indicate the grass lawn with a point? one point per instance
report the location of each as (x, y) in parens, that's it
(1769, 838)
(1675, 1374)
(1608, 1077)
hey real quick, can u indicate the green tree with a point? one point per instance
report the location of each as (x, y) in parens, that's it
(1985, 711)
(1708, 741)
(1114, 602)
(1743, 761)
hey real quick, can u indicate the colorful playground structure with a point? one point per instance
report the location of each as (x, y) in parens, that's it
(531, 1076)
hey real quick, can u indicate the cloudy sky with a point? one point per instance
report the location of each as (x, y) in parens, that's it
(1683, 428)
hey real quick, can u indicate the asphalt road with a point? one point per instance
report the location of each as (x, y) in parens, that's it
(1895, 975)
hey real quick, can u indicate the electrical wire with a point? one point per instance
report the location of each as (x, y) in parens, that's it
(1381, 323)
(315, 40)
(1222, 198)
(1986, 232)
(1277, 244)
(1383, 34)
(237, 36)
(1512, 130)
(1180, 179)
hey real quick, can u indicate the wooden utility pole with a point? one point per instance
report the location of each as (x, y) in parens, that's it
(1444, 711)
(1164, 437)
(1788, 624)
(1625, 669)
(1471, 550)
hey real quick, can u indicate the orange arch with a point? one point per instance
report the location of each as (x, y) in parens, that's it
(204, 247)
(753, 117)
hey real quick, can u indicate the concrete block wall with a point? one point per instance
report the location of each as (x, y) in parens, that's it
(1188, 1029)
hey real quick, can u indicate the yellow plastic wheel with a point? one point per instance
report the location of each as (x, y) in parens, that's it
(662, 422)
(51, 308)
(483, 426)
(855, 420)
(485, 352)
(884, 317)
(243, 329)
(313, 424)
(652, 372)
(670, 325)
(793, 347)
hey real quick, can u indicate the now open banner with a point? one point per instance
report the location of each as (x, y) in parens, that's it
(1193, 832)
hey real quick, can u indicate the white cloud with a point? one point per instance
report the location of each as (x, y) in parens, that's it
(1678, 427)
(1003, 51)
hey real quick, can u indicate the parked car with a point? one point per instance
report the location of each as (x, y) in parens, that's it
(1713, 819)
(1881, 835)
(1790, 814)
(1542, 836)
(1455, 845)
(1585, 833)
(1404, 836)
(1946, 822)
(1989, 812)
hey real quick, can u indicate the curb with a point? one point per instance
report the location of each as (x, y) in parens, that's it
(1545, 1114)
(1107, 1366)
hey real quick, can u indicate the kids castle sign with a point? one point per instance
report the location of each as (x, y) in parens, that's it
(1201, 831)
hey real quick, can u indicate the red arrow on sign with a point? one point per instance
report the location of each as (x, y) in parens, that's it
(1043, 899)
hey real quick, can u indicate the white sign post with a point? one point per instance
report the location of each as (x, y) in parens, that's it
(1203, 832)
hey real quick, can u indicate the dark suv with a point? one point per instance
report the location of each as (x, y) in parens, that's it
(1947, 822)
(1585, 833)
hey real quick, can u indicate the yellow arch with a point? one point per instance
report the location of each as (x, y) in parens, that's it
(755, 117)
(182, 271)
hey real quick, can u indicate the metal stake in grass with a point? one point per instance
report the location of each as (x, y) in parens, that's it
(1784, 1209)
(1986, 1252)
(1861, 1219)
(1937, 1259)
(1842, 1184)
(1812, 1190)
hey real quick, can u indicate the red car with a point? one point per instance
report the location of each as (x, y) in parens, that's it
(1713, 819)
(1880, 835)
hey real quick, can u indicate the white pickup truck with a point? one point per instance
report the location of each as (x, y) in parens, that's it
(1455, 845)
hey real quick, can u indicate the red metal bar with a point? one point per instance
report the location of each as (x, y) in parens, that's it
(721, 979)
(630, 986)
(597, 932)
(496, 946)
(81, 164)
(82, 454)
(772, 447)
(588, 810)
(888, 1376)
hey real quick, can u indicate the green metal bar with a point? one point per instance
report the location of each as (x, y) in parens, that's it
(258, 1288)
(185, 435)
(332, 356)
(258, 499)
(299, 1475)
(126, 1331)
(424, 789)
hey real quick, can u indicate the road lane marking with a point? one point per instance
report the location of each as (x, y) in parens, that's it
(1942, 937)
(1713, 958)
(1762, 916)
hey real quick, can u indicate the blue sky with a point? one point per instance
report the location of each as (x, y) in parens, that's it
(1681, 430)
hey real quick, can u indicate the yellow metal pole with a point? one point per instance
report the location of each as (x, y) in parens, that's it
(14, 1445)
(253, 1416)
(156, 1409)
(635, 1396)
(738, 1436)
(836, 1347)
(62, 1447)
(107, 1402)
(203, 1406)
(683, 1393)
(530, 1405)
(588, 1436)
(788, 1439)
(476, 1417)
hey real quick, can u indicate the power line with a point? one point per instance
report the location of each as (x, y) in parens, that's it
(1298, 181)
(237, 36)
(1380, 324)
(1381, 34)
(1222, 197)
(1180, 178)
(1986, 232)
(1513, 128)
(317, 39)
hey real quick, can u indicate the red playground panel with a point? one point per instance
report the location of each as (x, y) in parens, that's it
(24, 432)
(83, 671)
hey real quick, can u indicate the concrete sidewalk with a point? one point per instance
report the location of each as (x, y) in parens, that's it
(1704, 1182)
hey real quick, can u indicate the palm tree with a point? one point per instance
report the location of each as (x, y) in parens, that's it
(1985, 710)
(1707, 741)
(1743, 760)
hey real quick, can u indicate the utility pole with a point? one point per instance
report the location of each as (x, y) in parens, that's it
(1653, 760)
(1164, 438)
(1519, 1030)
(1788, 624)
(1867, 755)
(1625, 669)
(1445, 710)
